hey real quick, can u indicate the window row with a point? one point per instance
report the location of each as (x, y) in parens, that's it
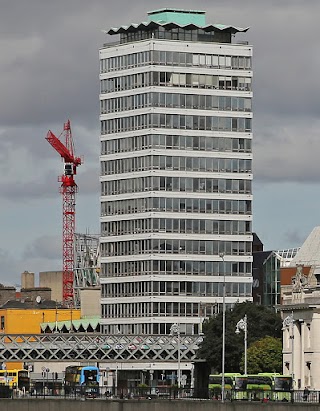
(154, 328)
(176, 267)
(169, 142)
(174, 225)
(176, 205)
(204, 164)
(175, 121)
(165, 246)
(176, 100)
(149, 309)
(166, 309)
(169, 79)
(177, 184)
(181, 59)
(176, 33)
(166, 288)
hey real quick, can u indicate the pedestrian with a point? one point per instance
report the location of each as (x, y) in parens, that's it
(306, 393)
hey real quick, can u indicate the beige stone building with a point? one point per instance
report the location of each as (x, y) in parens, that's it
(53, 280)
(301, 316)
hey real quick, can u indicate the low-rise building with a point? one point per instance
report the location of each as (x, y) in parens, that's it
(300, 307)
(25, 317)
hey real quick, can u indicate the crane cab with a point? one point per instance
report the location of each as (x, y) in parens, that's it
(68, 169)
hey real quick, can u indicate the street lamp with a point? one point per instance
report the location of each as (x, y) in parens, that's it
(175, 329)
(243, 325)
(202, 307)
(56, 321)
(221, 255)
(71, 325)
(116, 381)
(288, 322)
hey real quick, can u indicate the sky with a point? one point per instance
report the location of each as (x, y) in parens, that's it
(49, 72)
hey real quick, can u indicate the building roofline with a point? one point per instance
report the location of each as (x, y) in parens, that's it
(191, 26)
(174, 10)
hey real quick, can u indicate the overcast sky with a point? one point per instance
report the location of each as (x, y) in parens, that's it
(49, 72)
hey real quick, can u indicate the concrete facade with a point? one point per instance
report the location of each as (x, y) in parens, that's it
(175, 175)
(53, 280)
(90, 302)
(31, 294)
(27, 280)
(7, 294)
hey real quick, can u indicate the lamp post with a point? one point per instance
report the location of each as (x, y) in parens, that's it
(56, 320)
(175, 329)
(243, 325)
(71, 325)
(288, 322)
(116, 381)
(221, 255)
(202, 307)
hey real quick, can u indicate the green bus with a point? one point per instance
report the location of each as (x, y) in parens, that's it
(272, 386)
(215, 384)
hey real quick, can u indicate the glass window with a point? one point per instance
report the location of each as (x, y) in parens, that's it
(195, 59)
(214, 61)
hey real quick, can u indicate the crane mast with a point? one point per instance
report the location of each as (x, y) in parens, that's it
(68, 189)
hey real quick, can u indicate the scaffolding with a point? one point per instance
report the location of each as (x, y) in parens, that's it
(87, 263)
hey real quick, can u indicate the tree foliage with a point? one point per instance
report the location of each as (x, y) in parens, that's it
(264, 355)
(261, 322)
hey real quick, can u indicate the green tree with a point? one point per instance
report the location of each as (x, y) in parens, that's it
(264, 355)
(261, 322)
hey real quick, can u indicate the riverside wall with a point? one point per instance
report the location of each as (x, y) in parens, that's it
(144, 405)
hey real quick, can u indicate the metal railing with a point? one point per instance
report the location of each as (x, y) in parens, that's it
(59, 391)
(297, 396)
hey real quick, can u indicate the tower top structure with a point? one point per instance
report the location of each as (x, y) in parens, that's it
(171, 18)
(179, 16)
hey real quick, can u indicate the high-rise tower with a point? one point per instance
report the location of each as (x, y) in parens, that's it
(176, 173)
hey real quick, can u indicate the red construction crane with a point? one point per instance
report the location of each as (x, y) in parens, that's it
(68, 190)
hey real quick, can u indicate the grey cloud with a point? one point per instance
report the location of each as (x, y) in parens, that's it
(33, 140)
(30, 190)
(88, 182)
(12, 267)
(294, 237)
(46, 247)
(10, 270)
(48, 186)
(288, 153)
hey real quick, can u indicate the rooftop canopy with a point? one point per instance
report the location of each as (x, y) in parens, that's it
(176, 18)
(82, 324)
(182, 17)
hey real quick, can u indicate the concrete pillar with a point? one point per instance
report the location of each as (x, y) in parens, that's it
(27, 280)
(302, 358)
